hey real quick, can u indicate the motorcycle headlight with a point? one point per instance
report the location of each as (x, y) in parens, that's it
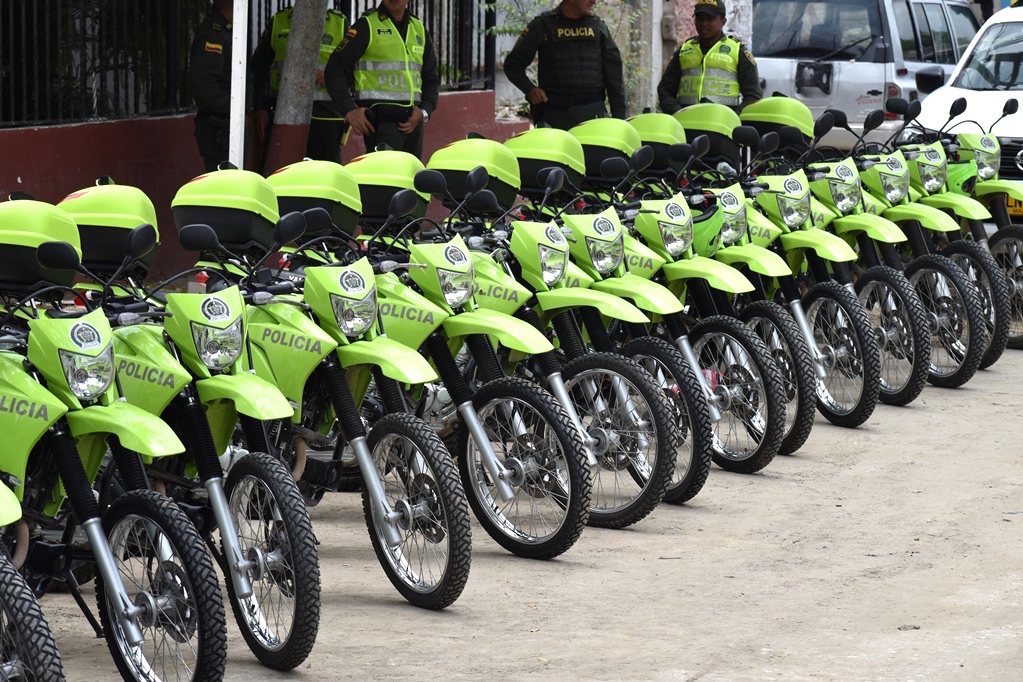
(988, 163)
(932, 177)
(845, 194)
(606, 256)
(456, 286)
(794, 211)
(354, 317)
(894, 186)
(552, 264)
(218, 348)
(733, 227)
(88, 377)
(676, 237)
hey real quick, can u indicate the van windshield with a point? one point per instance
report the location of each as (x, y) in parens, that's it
(994, 63)
(841, 30)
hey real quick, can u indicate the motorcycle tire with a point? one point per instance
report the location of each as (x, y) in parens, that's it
(749, 384)
(953, 305)
(431, 565)
(27, 648)
(992, 287)
(901, 329)
(271, 518)
(1007, 249)
(691, 414)
(191, 625)
(848, 396)
(551, 504)
(787, 347)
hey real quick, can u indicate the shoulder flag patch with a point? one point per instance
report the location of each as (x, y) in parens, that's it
(350, 33)
(214, 48)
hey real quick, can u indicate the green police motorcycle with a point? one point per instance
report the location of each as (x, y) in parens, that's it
(322, 349)
(180, 357)
(160, 606)
(27, 648)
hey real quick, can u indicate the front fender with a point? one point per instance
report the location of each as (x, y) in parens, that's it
(719, 275)
(878, 228)
(929, 217)
(252, 396)
(10, 507)
(756, 258)
(137, 429)
(965, 207)
(648, 296)
(558, 300)
(511, 332)
(825, 244)
(1013, 188)
(396, 360)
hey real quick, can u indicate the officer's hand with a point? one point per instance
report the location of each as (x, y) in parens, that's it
(356, 118)
(320, 82)
(414, 119)
(260, 119)
(536, 96)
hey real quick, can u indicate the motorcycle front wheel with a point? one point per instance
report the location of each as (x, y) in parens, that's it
(27, 648)
(430, 566)
(164, 566)
(953, 309)
(750, 392)
(1007, 249)
(279, 621)
(992, 287)
(842, 332)
(901, 329)
(533, 435)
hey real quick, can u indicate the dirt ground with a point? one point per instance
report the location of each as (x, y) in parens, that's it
(889, 552)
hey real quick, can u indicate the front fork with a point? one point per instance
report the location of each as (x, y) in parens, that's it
(387, 519)
(211, 473)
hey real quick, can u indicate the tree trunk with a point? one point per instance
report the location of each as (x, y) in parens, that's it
(298, 85)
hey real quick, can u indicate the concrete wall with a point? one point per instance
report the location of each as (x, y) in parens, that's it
(158, 155)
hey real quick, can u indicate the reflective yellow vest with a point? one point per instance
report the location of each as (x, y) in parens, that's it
(714, 75)
(391, 70)
(333, 33)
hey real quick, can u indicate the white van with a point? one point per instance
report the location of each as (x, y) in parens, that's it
(854, 54)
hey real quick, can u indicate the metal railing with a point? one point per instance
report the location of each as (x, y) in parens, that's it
(65, 61)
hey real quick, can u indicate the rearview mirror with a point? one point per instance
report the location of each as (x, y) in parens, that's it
(318, 220)
(873, 120)
(791, 135)
(140, 241)
(957, 108)
(199, 238)
(746, 136)
(290, 227)
(642, 158)
(57, 256)
(405, 201)
(615, 167)
(913, 110)
(680, 152)
(552, 179)
(1010, 107)
(839, 117)
(823, 125)
(476, 180)
(929, 79)
(896, 105)
(484, 201)
(431, 182)
(701, 145)
(768, 142)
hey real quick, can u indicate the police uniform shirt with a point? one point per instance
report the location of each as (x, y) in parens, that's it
(533, 38)
(259, 67)
(748, 77)
(339, 75)
(209, 65)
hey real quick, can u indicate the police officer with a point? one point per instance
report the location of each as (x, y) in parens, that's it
(209, 79)
(325, 128)
(710, 67)
(579, 65)
(384, 77)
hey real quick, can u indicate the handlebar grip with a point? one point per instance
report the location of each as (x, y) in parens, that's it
(282, 288)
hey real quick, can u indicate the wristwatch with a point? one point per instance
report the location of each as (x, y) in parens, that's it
(426, 115)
